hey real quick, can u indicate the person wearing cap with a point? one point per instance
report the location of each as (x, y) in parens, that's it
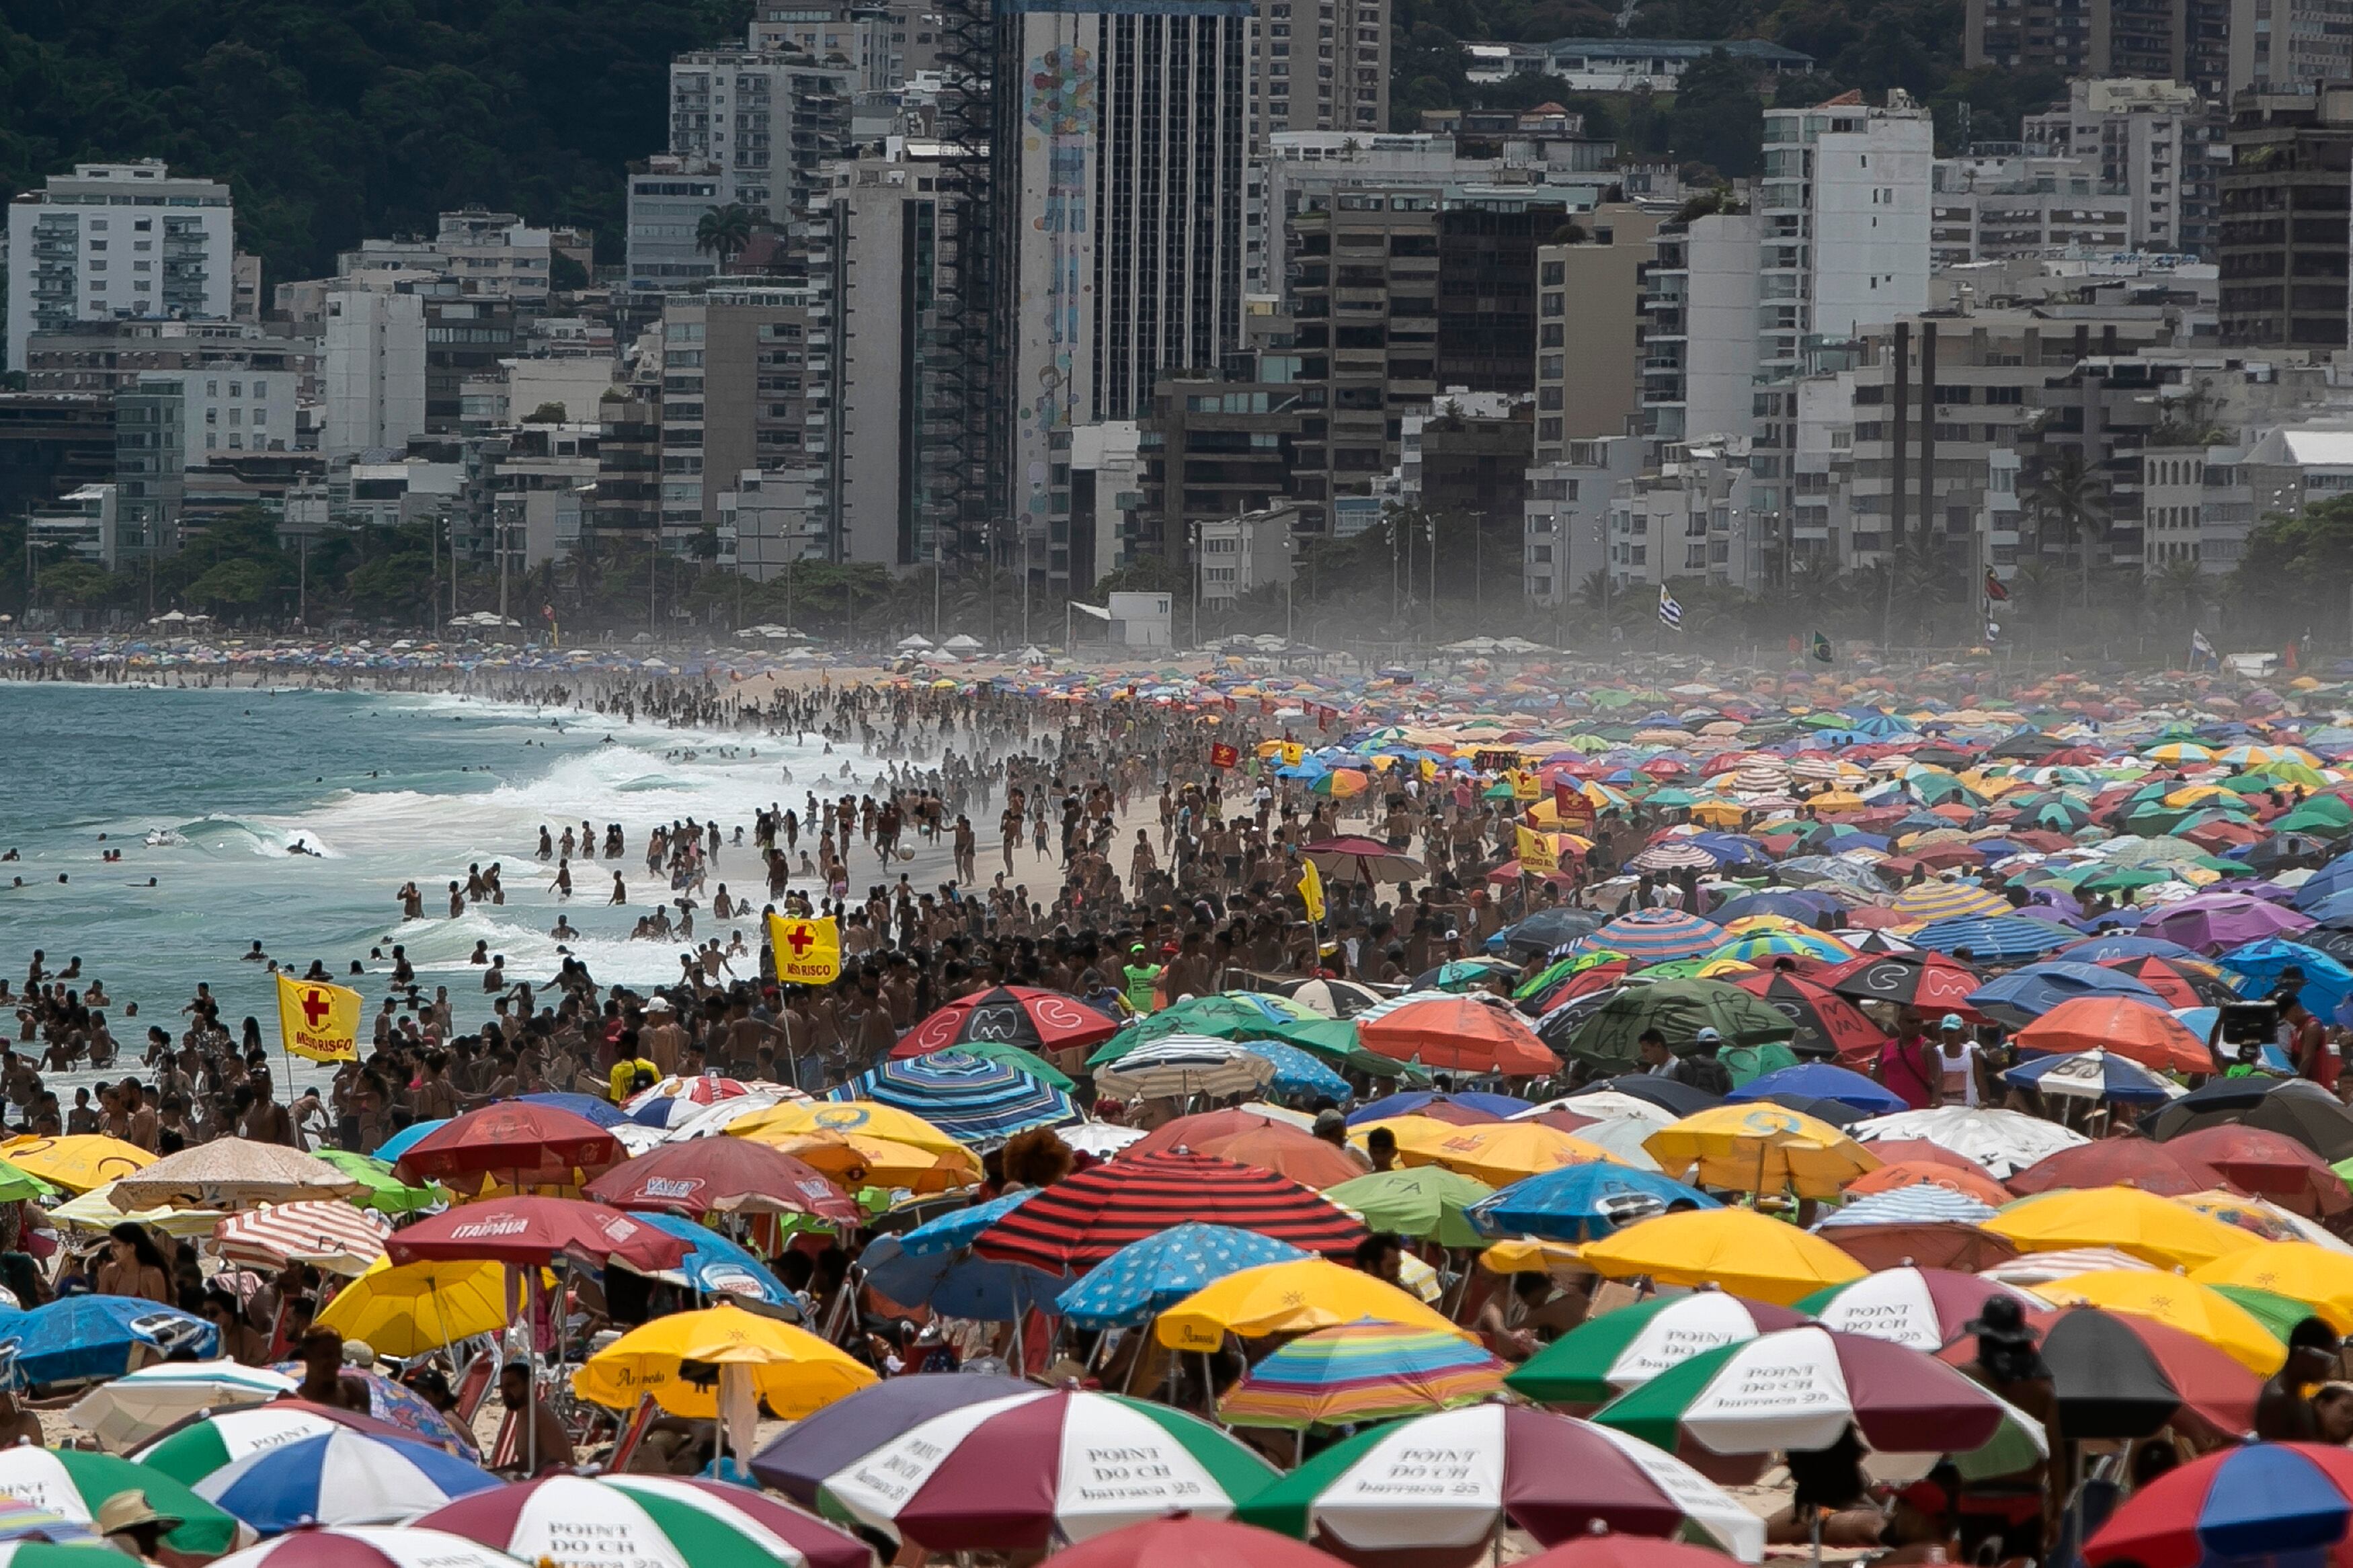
(131, 1525)
(1960, 1066)
(1141, 974)
(1699, 1066)
(1333, 1129)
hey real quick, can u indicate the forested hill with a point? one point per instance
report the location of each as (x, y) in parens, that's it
(338, 119)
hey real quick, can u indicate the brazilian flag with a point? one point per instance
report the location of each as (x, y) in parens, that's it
(1822, 648)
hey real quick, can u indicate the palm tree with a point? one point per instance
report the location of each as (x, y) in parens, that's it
(2181, 592)
(723, 231)
(2065, 492)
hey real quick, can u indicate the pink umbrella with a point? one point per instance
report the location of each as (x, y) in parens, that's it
(2211, 922)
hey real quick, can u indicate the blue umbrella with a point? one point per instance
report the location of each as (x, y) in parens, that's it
(1991, 936)
(340, 1477)
(957, 1228)
(602, 1112)
(2092, 1075)
(1823, 1081)
(1296, 1072)
(1806, 907)
(1144, 1277)
(2254, 969)
(1503, 1107)
(2335, 878)
(957, 1284)
(96, 1336)
(1923, 1203)
(2100, 949)
(974, 1100)
(2022, 995)
(716, 1266)
(393, 1148)
(1581, 1202)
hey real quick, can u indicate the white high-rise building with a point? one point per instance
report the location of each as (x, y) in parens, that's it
(118, 241)
(374, 371)
(762, 121)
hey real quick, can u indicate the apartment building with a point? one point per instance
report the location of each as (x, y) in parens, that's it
(723, 353)
(762, 121)
(2162, 143)
(2285, 204)
(1322, 65)
(118, 241)
(1589, 297)
(2192, 41)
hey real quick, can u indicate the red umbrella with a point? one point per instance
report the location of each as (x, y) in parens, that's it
(1036, 1020)
(723, 1175)
(1919, 1151)
(2181, 984)
(1940, 1245)
(1927, 1173)
(1924, 982)
(1458, 1033)
(1624, 1552)
(1361, 859)
(2270, 1165)
(1188, 1541)
(1197, 1132)
(1287, 1152)
(529, 1145)
(2121, 1376)
(1826, 1021)
(526, 1230)
(2122, 1026)
(1077, 1223)
(2119, 1161)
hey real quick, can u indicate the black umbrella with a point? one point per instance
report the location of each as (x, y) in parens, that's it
(1548, 928)
(1837, 1113)
(1666, 1093)
(2115, 1376)
(2295, 1107)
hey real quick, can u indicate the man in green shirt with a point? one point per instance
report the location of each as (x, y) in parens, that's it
(1140, 972)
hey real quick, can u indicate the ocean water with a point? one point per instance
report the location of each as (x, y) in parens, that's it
(386, 789)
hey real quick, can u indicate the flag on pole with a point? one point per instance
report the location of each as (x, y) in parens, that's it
(1995, 588)
(2199, 647)
(1537, 857)
(318, 1023)
(1311, 890)
(808, 952)
(1822, 649)
(1669, 613)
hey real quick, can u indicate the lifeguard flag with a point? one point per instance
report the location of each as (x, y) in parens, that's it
(1294, 753)
(808, 953)
(316, 1022)
(1995, 588)
(1536, 855)
(1311, 890)
(1222, 755)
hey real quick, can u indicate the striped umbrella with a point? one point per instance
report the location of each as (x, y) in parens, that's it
(1179, 1064)
(369, 1546)
(1672, 854)
(324, 1232)
(1361, 1372)
(1604, 1356)
(1995, 936)
(1926, 1309)
(973, 1098)
(1920, 1204)
(651, 1521)
(135, 1407)
(340, 1477)
(1941, 900)
(1763, 946)
(1654, 936)
(1080, 1222)
(1159, 1271)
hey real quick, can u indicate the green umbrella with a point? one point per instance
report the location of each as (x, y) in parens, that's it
(1031, 1062)
(386, 1194)
(2279, 1315)
(1424, 1203)
(1335, 1040)
(1226, 1015)
(1747, 1062)
(1678, 1009)
(17, 1185)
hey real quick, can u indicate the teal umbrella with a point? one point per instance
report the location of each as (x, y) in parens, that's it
(1679, 1009)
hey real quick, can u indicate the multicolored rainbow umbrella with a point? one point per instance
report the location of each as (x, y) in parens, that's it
(1361, 1372)
(2267, 1502)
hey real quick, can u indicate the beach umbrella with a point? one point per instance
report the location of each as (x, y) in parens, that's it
(76, 1162)
(130, 1409)
(2255, 970)
(1184, 1541)
(2114, 1376)
(2122, 1026)
(793, 1371)
(2202, 1311)
(1495, 1153)
(1019, 1472)
(1925, 1309)
(1548, 928)
(1579, 1202)
(1606, 1354)
(2017, 999)
(194, 1450)
(1897, 1401)
(2149, 1227)
(1820, 1080)
(1176, 1065)
(1464, 1106)
(852, 1427)
(1826, 1023)
(1966, 1179)
(409, 1310)
(1761, 1149)
(1962, 1245)
(1427, 1202)
(523, 1230)
(1291, 1297)
(1224, 1016)
(1299, 1074)
(779, 1124)
(2001, 1142)
(2319, 1277)
(1147, 1276)
(231, 1173)
(977, 1100)
(1907, 1207)
(1456, 1034)
(2181, 983)
(1290, 1152)
(2213, 921)
(73, 1484)
(1026, 1017)
(524, 1145)
(2130, 1162)
(2297, 1108)
(2114, 945)
(1359, 1373)
(1734, 1249)
(647, 1520)
(1678, 1009)
(1656, 936)
(1924, 982)
(2265, 1502)
(857, 1160)
(1203, 1127)
(388, 1152)
(367, 1546)
(1555, 1478)
(723, 1175)
(340, 1478)
(589, 1108)
(1931, 902)
(1082, 1220)
(1999, 938)
(956, 1284)
(1355, 858)
(2271, 1164)
(80, 1337)
(381, 1192)
(398, 1406)
(326, 1233)
(2092, 1075)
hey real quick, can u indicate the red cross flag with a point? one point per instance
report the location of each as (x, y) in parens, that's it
(316, 1022)
(808, 953)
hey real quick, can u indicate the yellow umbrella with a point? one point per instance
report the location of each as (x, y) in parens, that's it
(856, 1162)
(1762, 1149)
(1747, 924)
(78, 1163)
(95, 1210)
(1838, 800)
(418, 1307)
(2153, 1229)
(2319, 1277)
(854, 1118)
(1501, 1153)
(1290, 1298)
(1723, 811)
(1738, 1250)
(2179, 1303)
(1525, 1255)
(792, 1370)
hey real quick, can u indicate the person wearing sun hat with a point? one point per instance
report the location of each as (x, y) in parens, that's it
(131, 1526)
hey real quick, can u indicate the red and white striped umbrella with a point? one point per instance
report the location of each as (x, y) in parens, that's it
(326, 1233)
(369, 1546)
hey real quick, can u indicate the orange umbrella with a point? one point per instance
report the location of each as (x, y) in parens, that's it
(1287, 1152)
(2149, 1035)
(1458, 1033)
(1926, 1173)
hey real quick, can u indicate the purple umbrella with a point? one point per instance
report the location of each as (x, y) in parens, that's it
(798, 1462)
(2211, 922)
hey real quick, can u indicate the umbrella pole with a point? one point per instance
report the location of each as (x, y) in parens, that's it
(1128, 1385)
(531, 1384)
(1814, 1533)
